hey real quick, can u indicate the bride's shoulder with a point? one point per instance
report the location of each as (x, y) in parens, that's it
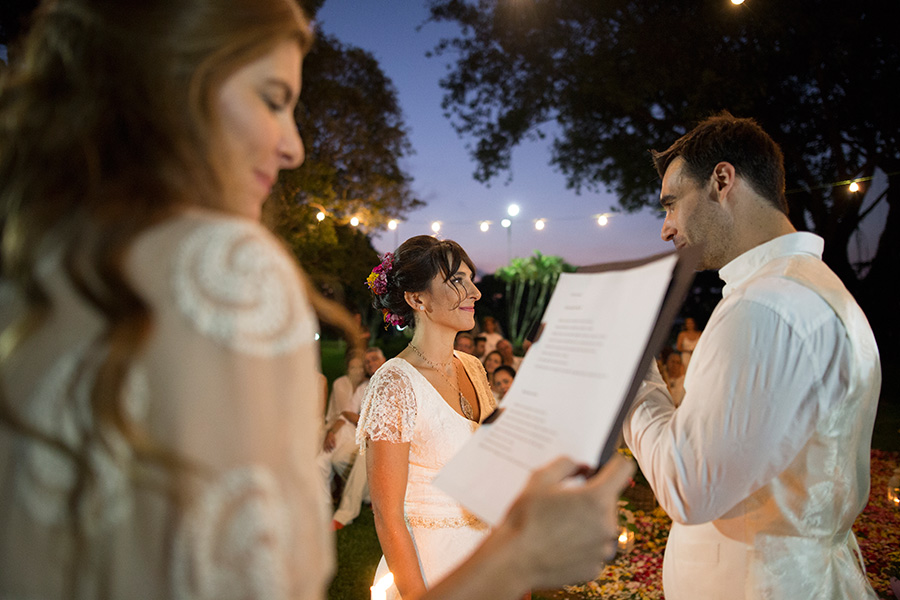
(393, 370)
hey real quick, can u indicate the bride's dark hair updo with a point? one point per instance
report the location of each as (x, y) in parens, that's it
(416, 262)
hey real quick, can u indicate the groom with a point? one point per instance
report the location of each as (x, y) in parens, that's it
(765, 464)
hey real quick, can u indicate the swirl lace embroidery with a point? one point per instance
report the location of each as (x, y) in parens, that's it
(388, 411)
(240, 288)
(234, 543)
(60, 406)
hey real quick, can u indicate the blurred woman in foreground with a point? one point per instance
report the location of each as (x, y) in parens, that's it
(158, 370)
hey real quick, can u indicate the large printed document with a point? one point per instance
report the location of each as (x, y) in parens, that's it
(571, 393)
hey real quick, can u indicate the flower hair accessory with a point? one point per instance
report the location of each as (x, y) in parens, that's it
(377, 282)
(377, 279)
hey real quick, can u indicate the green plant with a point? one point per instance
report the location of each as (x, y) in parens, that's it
(529, 282)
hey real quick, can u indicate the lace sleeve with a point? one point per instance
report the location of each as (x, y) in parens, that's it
(388, 411)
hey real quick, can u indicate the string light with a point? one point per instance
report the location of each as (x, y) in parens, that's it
(737, 2)
(853, 186)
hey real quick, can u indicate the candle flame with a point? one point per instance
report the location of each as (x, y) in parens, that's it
(379, 590)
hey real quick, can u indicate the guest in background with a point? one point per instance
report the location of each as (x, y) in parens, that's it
(505, 348)
(464, 342)
(673, 374)
(480, 343)
(501, 380)
(339, 449)
(343, 388)
(490, 329)
(492, 360)
(687, 341)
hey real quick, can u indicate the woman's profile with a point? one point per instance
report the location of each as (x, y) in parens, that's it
(419, 409)
(156, 337)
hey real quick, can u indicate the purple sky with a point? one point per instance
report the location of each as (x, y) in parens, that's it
(442, 169)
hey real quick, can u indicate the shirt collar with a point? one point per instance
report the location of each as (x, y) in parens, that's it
(741, 268)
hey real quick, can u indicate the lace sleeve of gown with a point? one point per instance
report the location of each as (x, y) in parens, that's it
(234, 361)
(388, 411)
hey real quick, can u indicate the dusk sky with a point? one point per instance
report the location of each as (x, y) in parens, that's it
(396, 34)
(442, 169)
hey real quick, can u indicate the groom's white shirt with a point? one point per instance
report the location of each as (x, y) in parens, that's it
(765, 465)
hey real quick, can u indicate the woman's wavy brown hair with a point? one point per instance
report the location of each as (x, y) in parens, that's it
(106, 117)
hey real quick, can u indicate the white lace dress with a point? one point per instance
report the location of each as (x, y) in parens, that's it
(224, 383)
(402, 406)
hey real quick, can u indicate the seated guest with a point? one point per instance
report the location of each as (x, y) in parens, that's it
(464, 342)
(339, 446)
(490, 329)
(344, 386)
(505, 348)
(673, 374)
(492, 360)
(480, 343)
(501, 380)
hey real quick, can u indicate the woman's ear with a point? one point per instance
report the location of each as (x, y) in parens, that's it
(415, 300)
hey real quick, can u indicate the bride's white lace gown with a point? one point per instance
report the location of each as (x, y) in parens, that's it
(402, 406)
(224, 383)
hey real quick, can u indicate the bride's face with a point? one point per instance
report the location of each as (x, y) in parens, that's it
(451, 303)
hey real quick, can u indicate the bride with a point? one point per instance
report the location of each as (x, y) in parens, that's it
(419, 409)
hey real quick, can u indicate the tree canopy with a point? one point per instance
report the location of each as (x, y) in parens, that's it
(609, 80)
(355, 139)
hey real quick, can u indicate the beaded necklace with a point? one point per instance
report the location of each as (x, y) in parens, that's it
(464, 404)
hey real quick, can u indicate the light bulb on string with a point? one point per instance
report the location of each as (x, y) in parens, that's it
(436, 226)
(354, 222)
(392, 224)
(484, 226)
(505, 222)
(513, 210)
(320, 216)
(854, 187)
(602, 220)
(539, 224)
